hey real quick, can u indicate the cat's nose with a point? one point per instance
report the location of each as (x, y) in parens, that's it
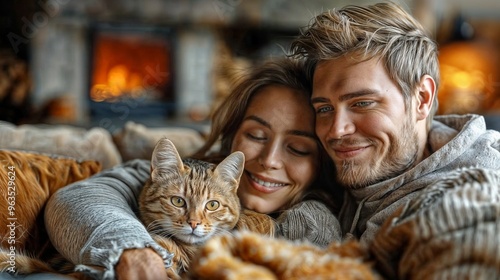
(194, 223)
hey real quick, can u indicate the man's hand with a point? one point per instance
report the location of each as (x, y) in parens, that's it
(144, 264)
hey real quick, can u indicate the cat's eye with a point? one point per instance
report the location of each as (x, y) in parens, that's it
(178, 201)
(212, 205)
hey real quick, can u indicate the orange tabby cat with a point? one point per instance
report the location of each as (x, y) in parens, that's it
(186, 202)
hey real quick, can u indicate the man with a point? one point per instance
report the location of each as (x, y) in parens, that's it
(422, 191)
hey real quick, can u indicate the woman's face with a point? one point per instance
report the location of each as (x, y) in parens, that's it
(281, 153)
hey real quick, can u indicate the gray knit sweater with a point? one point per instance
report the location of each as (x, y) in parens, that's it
(92, 221)
(442, 217)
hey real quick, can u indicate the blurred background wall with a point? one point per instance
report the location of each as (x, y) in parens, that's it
(104, 62)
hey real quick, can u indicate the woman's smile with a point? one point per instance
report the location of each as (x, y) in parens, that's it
(264, 185)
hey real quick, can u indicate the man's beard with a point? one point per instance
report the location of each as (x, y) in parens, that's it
(402, 155)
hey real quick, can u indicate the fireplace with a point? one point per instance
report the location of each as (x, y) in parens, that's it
(161, 63)
(131, 73)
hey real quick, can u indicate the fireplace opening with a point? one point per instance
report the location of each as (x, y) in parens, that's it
(131, 73)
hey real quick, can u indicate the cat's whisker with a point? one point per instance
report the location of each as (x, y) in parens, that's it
(159, 230)
(164, 234)
(153, 225)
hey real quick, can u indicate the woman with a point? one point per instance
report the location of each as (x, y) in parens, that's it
(269, 118)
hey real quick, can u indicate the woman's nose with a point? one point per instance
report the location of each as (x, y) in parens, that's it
(271, 157)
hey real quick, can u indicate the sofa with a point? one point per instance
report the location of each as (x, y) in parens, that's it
(38, 159)
(133, 140)
(88, 151)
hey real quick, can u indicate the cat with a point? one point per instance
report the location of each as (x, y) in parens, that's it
(187, 201)
(167, 167)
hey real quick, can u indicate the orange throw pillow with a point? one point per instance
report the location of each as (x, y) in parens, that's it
(27, 180)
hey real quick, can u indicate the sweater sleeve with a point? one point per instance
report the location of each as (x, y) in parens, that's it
(449, 232)
(92, 221)
(309, 220)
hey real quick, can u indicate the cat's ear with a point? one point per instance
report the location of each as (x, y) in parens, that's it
(165, 160)
(231, 168)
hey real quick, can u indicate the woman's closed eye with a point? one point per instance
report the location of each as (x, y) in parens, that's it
(302, 147)
(257, 136)
(300, 152)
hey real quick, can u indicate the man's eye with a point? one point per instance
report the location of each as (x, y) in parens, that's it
(363, 103)
(324, 109)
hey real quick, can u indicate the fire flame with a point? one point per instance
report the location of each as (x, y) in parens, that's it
(121, 67)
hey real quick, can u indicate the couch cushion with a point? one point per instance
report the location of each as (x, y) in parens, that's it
(92, 144)
(136, 141)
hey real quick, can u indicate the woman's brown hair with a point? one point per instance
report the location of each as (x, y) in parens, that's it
(226, 120)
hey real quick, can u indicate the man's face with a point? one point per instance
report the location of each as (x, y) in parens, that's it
(362, 121)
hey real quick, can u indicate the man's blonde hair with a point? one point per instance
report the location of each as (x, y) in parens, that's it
(383, 30)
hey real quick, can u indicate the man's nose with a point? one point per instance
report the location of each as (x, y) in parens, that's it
(342, 125)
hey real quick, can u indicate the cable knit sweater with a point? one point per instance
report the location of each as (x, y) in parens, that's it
(93, 221)
(441, 219)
